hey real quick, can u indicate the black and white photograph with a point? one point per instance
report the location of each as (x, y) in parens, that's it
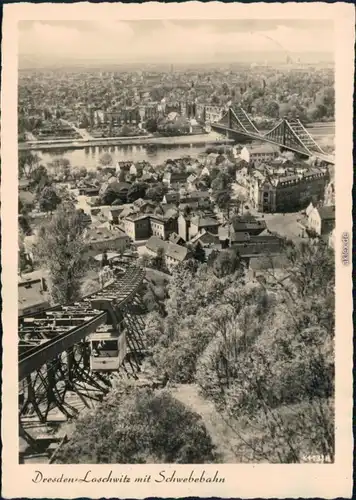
(176, 244)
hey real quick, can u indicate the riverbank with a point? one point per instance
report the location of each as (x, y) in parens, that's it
(126, 141)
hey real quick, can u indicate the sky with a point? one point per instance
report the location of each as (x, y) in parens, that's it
(171, 40)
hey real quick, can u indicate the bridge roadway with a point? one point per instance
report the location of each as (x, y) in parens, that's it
(68, 325)
(259, 137)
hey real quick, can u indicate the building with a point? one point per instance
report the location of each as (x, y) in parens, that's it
(265, 247)
(199, 224)
(206, 240)
(175, 238)
(138, 227)
(33, 296)
(183, 226)
(89, 191)
(205, 172)
(213, 113)
(290, 191)
(246, 224)
(296, 193)
(329, 196)
(106, 238)
(269, 243)
(172, 197)
(259, 154)
(331, 240)
(141, 227)
(173, 254)
(194, 127)
(120, 188)
(162, 226)
(196, 196)
(144, 206)
(170, 178)
(192, 182)
(322, 220)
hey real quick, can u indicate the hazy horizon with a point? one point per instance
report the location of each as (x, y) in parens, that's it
(160, 41)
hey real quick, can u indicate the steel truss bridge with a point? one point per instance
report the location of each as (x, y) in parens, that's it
(54, 355)
(288, 134)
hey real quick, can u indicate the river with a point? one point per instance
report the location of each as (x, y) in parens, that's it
(89, 156)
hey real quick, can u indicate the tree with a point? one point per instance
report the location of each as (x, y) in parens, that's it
(60, 166)
(199, 253)
(40, 178)
(222, 200)
(24, 262)
(24, 225)
(221, 182)
(49, 199)
(106, 159)
(206, 180)
(83, 171)
(270, 365)
(136, 191)
(139, 426)
(226, 262)
(272, 109)
(27, 162)
(159, 260)
(61, 249)
(126, 131)
(109, 196)
(156, 193)
(151, 125)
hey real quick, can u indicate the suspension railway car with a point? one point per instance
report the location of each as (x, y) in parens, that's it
(107, 351)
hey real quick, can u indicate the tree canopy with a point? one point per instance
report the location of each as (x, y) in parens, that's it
(261, 349)
(138, 426)
(61, 249)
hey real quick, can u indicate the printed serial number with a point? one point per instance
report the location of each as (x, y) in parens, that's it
(316, 459)
(345, 248)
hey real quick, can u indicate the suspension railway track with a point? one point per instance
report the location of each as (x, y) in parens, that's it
(56, 379)
(44, 336)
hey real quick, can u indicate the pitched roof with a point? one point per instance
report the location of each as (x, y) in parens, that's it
(31, 294)
(205, 238)
(204, 221)
(133, 217)
(262, 149)
(327, 212)
(196, 196)
(176, 176)
(246, 223)
(104, 234)
(239, 237)
(171, 250)
(172, 197)
(250, 250)
(174, 238)
(309, 209)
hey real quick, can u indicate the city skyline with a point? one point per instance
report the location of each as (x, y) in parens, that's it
(138, 41)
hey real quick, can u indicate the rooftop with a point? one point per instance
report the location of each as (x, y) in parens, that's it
(171, 250)
(104, 234)
(327, 212)
(32, 294)
(205, 238)
(263, 149)
(246, 223)
(204, 221)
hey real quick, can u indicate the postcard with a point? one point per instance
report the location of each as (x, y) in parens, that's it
(176, 259)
